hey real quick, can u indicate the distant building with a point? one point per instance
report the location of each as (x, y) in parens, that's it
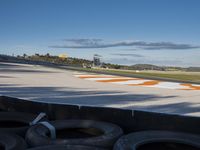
(63, 56)
(97, 60)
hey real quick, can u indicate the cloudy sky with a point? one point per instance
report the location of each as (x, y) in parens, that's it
(161, 32)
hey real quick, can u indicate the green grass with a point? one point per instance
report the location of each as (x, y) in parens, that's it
(181, 77)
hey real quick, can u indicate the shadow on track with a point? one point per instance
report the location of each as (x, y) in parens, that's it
(96, 98)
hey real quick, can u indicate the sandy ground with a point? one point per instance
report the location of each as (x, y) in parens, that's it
(50, 85)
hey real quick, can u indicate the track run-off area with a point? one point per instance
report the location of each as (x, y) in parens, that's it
(63, 86)
(137, 81)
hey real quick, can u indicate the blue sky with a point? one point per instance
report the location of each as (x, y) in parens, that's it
(161, 32)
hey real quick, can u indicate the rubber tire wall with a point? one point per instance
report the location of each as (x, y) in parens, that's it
(133, 140)
(36, 135)
(12, 142)
(20, 117)
(66, 147)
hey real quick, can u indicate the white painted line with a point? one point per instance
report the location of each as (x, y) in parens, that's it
(131, 82)
(105, 79)
(93, 75)
(198, 85)
(168, 85)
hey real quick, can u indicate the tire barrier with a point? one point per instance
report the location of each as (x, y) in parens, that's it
(11, 142)
(75, 132)
(16, 122)
(165, 140)
(67, 147)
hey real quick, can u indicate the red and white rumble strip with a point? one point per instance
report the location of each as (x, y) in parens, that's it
(137, 81)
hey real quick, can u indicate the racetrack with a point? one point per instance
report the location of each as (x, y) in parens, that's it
(52, 85)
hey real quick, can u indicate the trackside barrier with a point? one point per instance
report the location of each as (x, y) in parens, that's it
(128, 120)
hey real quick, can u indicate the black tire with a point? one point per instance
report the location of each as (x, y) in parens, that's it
(15, 122)
(11, 142)
(66, 147)
(37, 135)
(134, 140)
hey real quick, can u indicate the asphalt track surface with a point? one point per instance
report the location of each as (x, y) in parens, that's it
(38, 83)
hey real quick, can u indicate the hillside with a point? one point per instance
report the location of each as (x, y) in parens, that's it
(78, 62)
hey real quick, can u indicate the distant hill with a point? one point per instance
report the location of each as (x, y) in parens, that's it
(48, 59)
(193, 69)
(163, 68)
(146, 67)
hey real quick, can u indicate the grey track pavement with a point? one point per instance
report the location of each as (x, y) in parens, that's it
(51, 85)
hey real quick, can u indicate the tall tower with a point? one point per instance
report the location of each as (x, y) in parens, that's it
(97, 60)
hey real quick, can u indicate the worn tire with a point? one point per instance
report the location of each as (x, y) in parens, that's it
(133, 140)
(66, 147)
(37, 135)
(11, 142)
(15, 122)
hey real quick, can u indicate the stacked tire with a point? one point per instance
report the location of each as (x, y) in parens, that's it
(67, 147)
(13, 127)
(10, 141)
(158, 140)
(86, 133)
(16, 122)
(16, 133)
